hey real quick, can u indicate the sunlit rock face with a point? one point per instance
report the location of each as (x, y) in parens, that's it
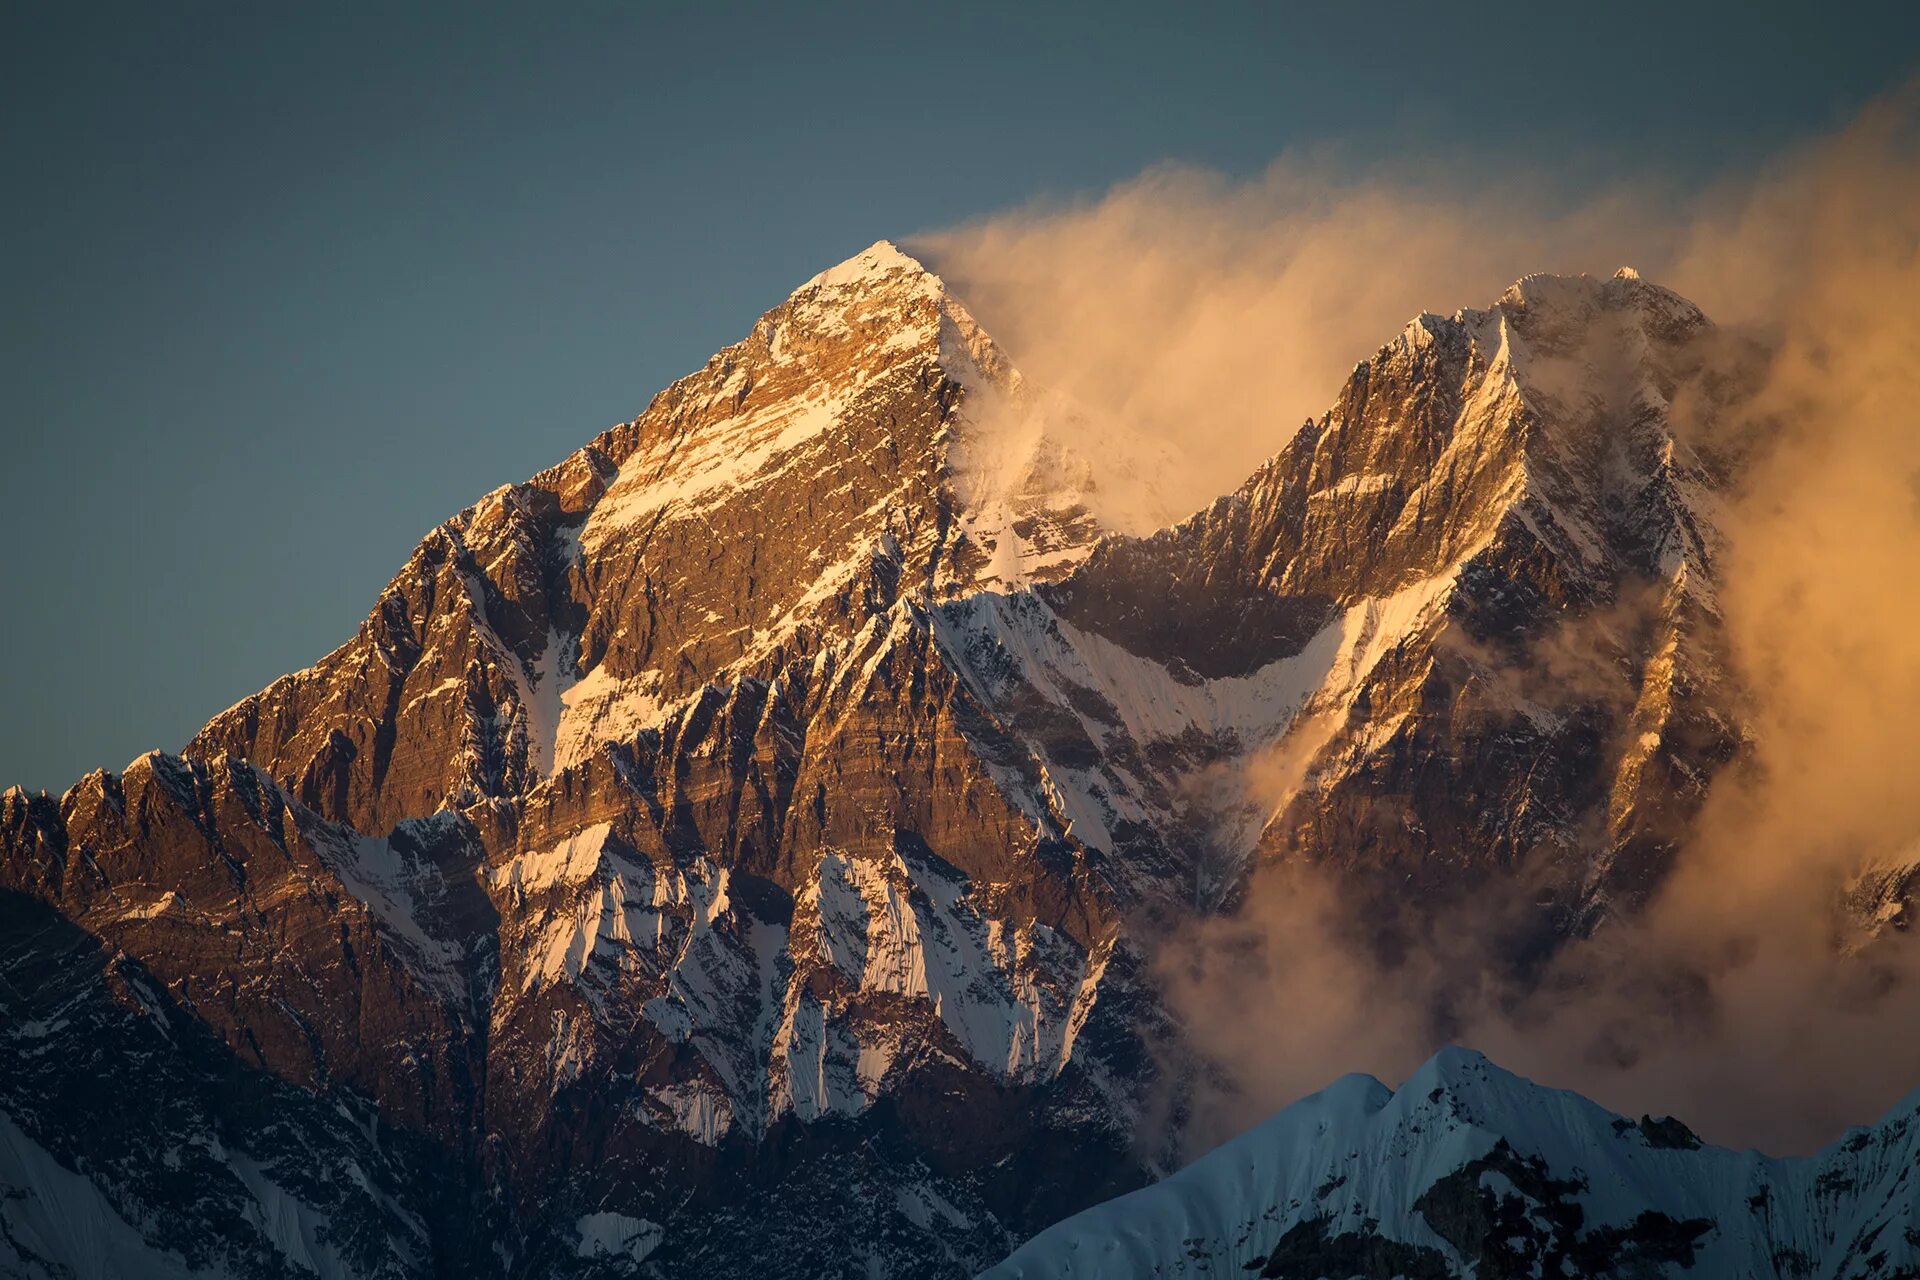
(1475, 603)
(739, 849)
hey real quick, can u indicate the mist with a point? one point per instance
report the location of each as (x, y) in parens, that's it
(1215, 316)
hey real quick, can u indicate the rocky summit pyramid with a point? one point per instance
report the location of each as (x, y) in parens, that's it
(737, 850)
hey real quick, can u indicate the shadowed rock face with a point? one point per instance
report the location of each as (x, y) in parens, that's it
(195, 1160)
(732, 845)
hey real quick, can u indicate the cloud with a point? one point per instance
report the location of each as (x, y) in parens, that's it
(1821, 253)
(1216, 315)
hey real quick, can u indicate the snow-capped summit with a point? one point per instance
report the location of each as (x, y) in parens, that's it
(878, 260)
(1467, 1170)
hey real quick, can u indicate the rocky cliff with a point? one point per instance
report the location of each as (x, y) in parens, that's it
(740, 846)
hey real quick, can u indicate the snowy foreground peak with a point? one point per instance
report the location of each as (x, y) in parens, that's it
(1469, 1170)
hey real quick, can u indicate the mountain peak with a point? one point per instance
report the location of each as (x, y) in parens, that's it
(878, 261)
(1451, 1065)
(1549, 289)
(1541, 1173)
(1663, 314)
(878, 316)
(810, 743)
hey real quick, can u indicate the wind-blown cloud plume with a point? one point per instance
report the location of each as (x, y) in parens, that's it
(1217, 315)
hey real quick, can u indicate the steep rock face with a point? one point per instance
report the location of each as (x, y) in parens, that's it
(651, 799)
(760, 510)
(1465, 1170)
(771, 789)
(1494, 557)
(297, 941)
(433, 703)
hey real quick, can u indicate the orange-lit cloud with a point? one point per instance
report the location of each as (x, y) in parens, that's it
(1218, 315)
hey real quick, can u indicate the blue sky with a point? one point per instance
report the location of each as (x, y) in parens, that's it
(285, 287)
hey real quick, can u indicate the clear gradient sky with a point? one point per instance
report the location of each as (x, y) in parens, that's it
(284, 286)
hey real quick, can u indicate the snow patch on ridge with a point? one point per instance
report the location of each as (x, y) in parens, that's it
(616, 1235)
(296, 1228)
(1011, 647)
(1014, 997)
(601, 707)
(395, 888)
(602, 903)
(693, 475)
(47, 1211)
(721, 449)
(696, 1108)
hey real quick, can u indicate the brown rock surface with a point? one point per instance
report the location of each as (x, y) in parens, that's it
(740, 830)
